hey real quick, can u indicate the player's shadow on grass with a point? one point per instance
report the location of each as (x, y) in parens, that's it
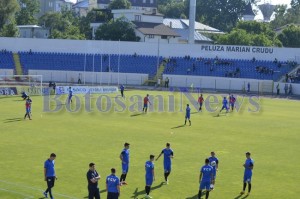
(176, 127)
(196, 196)
(102, 191)
(136, 114)
(240, 197)
(137, 193)
(13, 120)
(194, 112)
(220, 115)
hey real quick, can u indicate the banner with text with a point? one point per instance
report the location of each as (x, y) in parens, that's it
(8, 91)
(238, 49)
(86, 89)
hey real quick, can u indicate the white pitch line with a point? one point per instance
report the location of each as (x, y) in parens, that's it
(7, 190)
(37, 189)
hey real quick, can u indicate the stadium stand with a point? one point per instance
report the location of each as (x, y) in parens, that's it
(233, 68)
(6, 60)
(76, 62)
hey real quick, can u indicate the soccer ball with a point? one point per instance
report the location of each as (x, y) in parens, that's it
(213, 163)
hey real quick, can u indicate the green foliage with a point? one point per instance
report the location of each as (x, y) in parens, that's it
(94, 16)
(115, 30)
(119, 4)
(8, 8)
(9, 30)
(173, 10)
(64, 25)
(290, 36)
(28, 12)
(250, 34)
(284, 16)
(222, 15)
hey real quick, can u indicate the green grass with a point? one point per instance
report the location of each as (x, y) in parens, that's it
(272, 136)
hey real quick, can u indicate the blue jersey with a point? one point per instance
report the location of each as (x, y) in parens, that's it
(91, 175)
(211, 159)
(207, 172)
(122, 88)
(70, 93)
(149, 169)
(187, 111)
(49, 166)
(225, 102)
(248, 163)
(167, 153)
(125, 155)
(112, 183)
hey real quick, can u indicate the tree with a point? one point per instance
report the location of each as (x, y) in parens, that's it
(290, 36)
(173, 9)
(64, 25)
(28, 12)
(115, 30)
(119, 4)
(9, 30)
(295, 4)
(250, 34)
(93, 16)
(284, 16)
(8, 8)
(220, 14)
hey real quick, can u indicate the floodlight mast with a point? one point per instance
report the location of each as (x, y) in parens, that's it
(192, 19)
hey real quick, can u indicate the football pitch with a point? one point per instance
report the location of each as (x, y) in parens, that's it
(96, 131)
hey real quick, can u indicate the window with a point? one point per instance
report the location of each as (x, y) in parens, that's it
(151, 36)
(164, 37)
(151, 1)
(50, 4)
(144, 1)
(137, 18)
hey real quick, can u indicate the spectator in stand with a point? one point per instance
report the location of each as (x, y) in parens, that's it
(79, 78)
(158, 82)
(290, 90)
(278, 89)
(167, 82)
(286, 89)
(248, 87)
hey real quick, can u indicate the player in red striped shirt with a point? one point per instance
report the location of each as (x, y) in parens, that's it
(200, 101)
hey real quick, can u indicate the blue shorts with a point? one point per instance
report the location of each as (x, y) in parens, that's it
(224, 107)
(125, 168)
(167, 167)
(28, 110)
(214, 175)
(247, 177)
(205, 185)
(149, 180)
(145, 105)
(187, 116)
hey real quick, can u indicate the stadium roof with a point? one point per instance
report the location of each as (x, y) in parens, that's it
(184, 35)
(154, 29)
(184, 24)
(82, 4)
